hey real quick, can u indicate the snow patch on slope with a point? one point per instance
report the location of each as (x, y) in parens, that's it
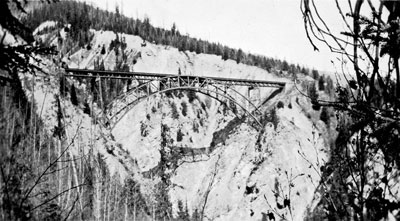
(46, 24)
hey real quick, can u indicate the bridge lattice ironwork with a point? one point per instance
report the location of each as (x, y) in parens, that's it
(156, 83)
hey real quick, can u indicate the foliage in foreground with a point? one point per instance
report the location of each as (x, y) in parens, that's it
(360, 180)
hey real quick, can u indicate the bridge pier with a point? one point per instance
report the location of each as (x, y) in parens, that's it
(249, 89)
(101, 93)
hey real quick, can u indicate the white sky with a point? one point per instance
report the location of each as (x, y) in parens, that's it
(273, 28)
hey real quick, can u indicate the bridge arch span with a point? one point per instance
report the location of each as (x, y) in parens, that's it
(121, 105)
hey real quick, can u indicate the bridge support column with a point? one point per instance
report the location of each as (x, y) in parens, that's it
(248, 98)
(101, 93)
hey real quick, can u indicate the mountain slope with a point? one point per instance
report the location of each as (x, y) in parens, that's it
(215, 163)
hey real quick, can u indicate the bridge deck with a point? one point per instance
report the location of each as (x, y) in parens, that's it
(154, 76)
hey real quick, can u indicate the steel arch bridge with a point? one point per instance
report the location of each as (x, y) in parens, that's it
(156, 83)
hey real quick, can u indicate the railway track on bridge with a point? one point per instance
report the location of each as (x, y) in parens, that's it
(154, 76)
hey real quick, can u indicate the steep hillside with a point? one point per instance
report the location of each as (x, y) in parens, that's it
(194, 151)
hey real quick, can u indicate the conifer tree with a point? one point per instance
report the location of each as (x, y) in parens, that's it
(63, 87)
(196, 215)
(329, 89)
(285, 66)
(315, 74)
(86, 109)
(324, 116)
(225, 55)
(173, 29)
(239, 56)
(101, 66)
(321, 83)
(199, 47)
(103, 50)
(179, 135)
(163, 206)
(183, 214)
(312, 91)
(74, 98)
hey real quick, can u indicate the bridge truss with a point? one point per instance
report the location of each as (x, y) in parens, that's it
(155, 83)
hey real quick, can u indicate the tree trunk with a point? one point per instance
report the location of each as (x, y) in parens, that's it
(126, 209)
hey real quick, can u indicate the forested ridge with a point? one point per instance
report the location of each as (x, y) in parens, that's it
(82, 17)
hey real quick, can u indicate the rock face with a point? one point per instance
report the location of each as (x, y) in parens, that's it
(219, 166)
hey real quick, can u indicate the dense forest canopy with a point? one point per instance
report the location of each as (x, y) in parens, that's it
(82, 17)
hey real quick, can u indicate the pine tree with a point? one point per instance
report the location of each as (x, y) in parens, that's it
(101, 66)
(86, 109)
(74, 98)
(192, 45)
(163, 207)
(196, 215)
(183, 45)
(329, 89)
(63, 87)
(183, 214)
(324, 116)
(239, 56)
(321, 83)
(179, 135)
(312, 92)
(199, 47)
(285, 66)
(280, 105)
(174, 111)
(191, 96)
(305, 71)
(225, 56)
(315, 74)
(173, 29)
(184, 108)
(103, 50)
(292, 69)
(274, 118)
